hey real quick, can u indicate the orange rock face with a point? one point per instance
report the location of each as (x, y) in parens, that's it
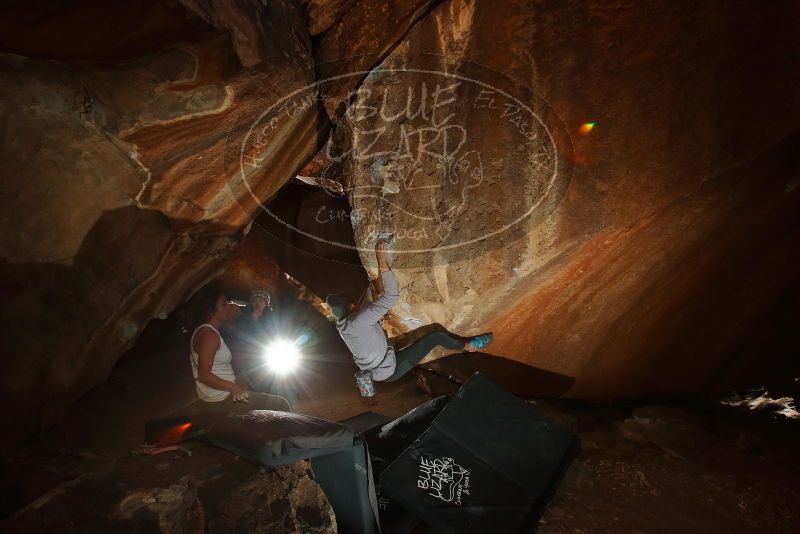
(124, 185)
(659, 262)
(612, 187)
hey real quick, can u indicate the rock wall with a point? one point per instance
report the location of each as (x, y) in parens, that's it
(313, 257)
(654, 253)
(124, 187)
(609, 186)
(253, 266)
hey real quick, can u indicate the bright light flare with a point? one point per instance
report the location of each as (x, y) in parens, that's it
(282, 356)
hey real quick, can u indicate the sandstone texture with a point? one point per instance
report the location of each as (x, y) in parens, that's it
(253, 266)
(123, 189)
(286, 500)
(308, 232)
(193, 490)
(176, 509)
(654, 255)
(364, 34)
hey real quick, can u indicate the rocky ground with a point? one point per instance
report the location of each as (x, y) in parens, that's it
(199, 489)
(692, 467)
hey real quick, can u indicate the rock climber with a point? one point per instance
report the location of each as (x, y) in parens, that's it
(363, 334)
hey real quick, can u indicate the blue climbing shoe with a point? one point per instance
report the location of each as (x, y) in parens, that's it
(482, 341)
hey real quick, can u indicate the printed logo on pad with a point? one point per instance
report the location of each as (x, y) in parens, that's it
(443, 479)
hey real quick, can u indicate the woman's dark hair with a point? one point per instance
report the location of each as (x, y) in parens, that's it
(204, 304)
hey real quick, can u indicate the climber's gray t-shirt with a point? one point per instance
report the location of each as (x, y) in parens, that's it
(364, 336)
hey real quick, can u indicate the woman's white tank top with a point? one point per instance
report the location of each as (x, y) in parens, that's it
(222, 368)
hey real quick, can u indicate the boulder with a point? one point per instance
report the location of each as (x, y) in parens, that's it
(307, 230)
(253, 265)
(175, 509)
(600, 184)
(134, 161)
(197, 488)
(322, 14)
(611, 188)
(362, 36)
(286, 500)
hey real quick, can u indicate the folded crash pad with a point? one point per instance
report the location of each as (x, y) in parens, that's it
(349, 483)
(386, 444)
(365, 422)
(396, 436)
(265, 437)
(489, 462)
(346, 479)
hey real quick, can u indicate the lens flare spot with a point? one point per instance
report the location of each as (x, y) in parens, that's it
(282, 356)
(586, 128)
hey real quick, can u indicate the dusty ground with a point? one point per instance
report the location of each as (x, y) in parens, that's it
(696, 467)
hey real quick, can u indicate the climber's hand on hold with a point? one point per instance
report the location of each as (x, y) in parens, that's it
(382, 254)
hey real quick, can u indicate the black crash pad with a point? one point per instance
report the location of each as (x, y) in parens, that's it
(489, 462)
